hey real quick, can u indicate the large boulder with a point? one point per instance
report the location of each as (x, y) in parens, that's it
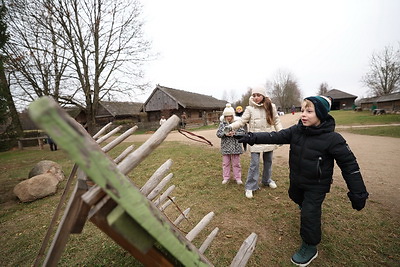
(47, 166)
(36, 187)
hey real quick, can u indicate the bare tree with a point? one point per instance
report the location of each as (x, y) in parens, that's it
(91, 49)
(36, 63)
(244, 99)
(384, 75)
(284, 90)
(7, 105)
(323, 88)
(232, 95)
(225, 95)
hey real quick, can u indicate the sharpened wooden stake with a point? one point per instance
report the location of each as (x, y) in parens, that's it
(156, 177)
(159, 187)
(208, 240)
(200, 226)
(245, 251)
(124, 153)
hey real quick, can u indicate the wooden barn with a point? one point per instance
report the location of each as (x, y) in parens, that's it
(199, 109)
(390, 102)
(341, 100)
(77, 113)
(118, 111)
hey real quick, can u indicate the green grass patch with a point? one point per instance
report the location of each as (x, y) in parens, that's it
(350, 238)
(388, 131)
(349, 117)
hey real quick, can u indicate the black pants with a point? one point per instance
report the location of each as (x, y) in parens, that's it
(310, 202)
(53, 146)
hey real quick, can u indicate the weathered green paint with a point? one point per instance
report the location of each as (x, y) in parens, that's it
(95, 163)
(122, 223)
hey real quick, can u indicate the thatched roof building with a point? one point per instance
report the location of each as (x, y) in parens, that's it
(168, 101)
(111, 110)
(390, 102)
(341, 100)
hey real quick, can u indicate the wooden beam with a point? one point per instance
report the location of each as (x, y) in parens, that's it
(152, 258)
(81, 147)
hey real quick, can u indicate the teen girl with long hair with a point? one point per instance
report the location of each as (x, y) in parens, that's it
(261, 116)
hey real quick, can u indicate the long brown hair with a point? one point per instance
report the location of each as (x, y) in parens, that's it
(268, 108)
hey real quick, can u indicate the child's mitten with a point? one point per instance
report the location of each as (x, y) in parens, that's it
(358, 200)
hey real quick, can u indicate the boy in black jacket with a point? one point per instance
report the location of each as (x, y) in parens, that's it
(313, 148)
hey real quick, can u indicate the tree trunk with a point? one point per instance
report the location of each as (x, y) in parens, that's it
(15, 127)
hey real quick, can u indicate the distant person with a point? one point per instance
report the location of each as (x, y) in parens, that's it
(162, 120)
(314, 146)
(293, 109)
(52, 144)
(280, 112)
(230, 148)
(261, 116)
(183, 120)
(239, 111)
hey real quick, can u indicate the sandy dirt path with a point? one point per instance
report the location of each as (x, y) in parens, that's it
(377, 156)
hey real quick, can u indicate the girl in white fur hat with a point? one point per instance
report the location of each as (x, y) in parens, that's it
(230, 148)
(261, 116)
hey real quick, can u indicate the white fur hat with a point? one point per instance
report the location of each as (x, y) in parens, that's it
(259, 89)
(228, 111)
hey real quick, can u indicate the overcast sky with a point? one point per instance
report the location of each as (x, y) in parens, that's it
(212, 46)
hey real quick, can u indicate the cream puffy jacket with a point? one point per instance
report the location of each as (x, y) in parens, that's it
(256, 117)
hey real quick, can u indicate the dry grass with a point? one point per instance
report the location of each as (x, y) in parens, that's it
(350, 238)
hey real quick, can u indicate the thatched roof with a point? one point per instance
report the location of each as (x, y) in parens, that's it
(122, 108)
(191, 100)
(73, 111)
(337, 94)
(384, 98)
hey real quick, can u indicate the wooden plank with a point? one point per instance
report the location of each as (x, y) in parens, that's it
(63, 231)
(136, 157)
(160, 187)
(119, 139)
(108, 135)
(200, 226)
(208, 240)
(122, 223)
(124, 153)
(156, 177)
(245, 251)
(98, 216)
(93, 195)
(164, 196)
(102, 130)
(55, 216)
(91, 159)
(167, 204)
(39, 139)
(182, 216)
(83, 208)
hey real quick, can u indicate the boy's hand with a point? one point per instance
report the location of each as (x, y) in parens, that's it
(247, 138)
(358, 200)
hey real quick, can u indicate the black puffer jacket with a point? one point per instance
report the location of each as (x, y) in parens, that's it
(312, 154)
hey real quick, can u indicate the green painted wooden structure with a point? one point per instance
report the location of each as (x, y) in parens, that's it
(115, 204)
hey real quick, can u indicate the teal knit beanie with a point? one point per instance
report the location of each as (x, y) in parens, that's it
(322, 106)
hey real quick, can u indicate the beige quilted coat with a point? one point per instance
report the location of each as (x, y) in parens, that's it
(256, 117)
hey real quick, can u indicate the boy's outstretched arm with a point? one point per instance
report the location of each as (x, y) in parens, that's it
(347, 162)
(281, 137)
